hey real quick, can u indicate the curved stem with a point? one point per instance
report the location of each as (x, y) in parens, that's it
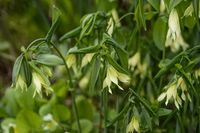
(34, 42)
(71, 86)
(125, 15)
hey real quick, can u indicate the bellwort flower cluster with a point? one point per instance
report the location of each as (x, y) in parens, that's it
(113, 76)
(171, 92)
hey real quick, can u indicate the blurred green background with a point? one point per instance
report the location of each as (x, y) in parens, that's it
(22, 21)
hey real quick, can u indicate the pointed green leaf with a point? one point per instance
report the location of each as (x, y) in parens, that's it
(71, 34)
(174, 3)
(115, 64)
(55, 17)
(196, 11)
(122, 54)
(49, 60)
(159, 33)
(91, 49)
(163, 112)
(16, 68)
(155, 4)
(96, 65)
(26, 71)
(121, 114)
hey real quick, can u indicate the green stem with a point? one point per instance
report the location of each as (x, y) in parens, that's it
(180, 123)
(105, 101)
(71, 86)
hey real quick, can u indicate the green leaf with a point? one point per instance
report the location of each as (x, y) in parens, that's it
(85, 108)
(88, 24)
(55, 17)
(174, 3)
(187, 77)
(70, 34)
(25, 100)
(49, 60)
(91, 49)
(96, 65)
(139, 15)
(169, 65)
(26, 72)
(121, 114)
(16, 68)
(28, 121)
(155, 4)
(147, 118)
(144, 102)
(163, 112)
(196, 11)
(159, 33)
(60, 112)
(86, 126)
(122, 54)
(45, 109)
(115, 64)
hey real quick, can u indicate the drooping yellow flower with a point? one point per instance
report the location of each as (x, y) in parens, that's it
(134, 61)
(137, 66)
(113, 76)
(70, 60)
(38, 82)
(172, 92)
(133, 125)
(21, 84)
(174, 39)
(87, 59)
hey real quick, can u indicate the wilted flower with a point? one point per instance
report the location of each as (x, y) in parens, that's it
(71, 60)
(21, 84)
(50, 124)
(113, 76)
(172, 92)
(174, 39)
(38, 82)
(87, 59)
(133, 125)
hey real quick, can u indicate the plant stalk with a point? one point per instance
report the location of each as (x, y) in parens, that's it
(105, 101)
(71, 86)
